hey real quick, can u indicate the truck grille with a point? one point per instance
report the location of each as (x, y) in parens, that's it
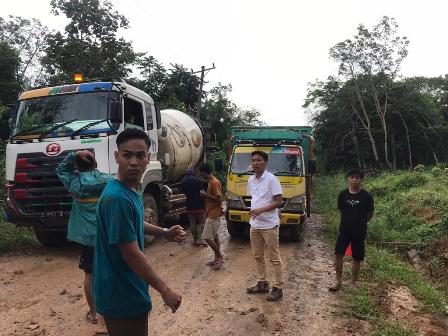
(37, 190)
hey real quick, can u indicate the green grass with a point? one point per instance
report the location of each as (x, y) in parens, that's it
(410, 207)
(14, 238)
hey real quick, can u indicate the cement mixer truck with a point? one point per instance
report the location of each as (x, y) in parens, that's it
(50, 122)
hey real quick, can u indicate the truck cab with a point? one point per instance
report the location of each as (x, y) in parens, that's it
(289, 150)
(50, 122)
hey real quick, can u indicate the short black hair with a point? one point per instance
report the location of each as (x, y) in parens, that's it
(260, 153)
(205, 168)
(355, 172)
(132, 133)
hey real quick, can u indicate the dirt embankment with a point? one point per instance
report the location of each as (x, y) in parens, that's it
(41, 291)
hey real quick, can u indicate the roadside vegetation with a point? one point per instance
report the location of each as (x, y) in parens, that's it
(411, 213)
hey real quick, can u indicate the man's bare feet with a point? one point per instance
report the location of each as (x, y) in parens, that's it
(101, 328)
(92, 317)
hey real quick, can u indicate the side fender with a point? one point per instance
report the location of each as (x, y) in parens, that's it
(153, 174)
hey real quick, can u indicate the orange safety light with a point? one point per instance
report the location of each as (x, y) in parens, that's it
(77, 77)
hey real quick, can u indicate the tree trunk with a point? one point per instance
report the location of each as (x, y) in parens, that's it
(394, 153)
(430, 148)
(355, 142)
(407, 139)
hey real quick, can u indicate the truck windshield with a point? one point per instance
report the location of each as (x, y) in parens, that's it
(71, 111)
(279, 163)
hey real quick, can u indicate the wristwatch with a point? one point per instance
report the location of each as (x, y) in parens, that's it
(164, 232)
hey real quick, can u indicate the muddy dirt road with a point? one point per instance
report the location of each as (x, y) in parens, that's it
(41, 291)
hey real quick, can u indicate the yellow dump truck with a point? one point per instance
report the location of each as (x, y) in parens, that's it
(289, 149)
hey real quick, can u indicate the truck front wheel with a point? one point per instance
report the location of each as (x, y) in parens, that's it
(151, 210)
(51, 238)
(236, 229)
(296, 232)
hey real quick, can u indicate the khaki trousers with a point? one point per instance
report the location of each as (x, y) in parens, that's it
(267, 240)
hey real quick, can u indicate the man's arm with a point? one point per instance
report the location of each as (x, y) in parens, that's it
(138, 262)
(66, 173)
(175, 233)
(276, 202)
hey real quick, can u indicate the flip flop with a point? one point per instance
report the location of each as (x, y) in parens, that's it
(217, 266)
(101, 332)
(211, 263)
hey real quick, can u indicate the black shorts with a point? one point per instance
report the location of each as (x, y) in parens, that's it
(356, 238)
(86, 259)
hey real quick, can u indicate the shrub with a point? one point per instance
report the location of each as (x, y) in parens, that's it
(436, 171)
(419, 168)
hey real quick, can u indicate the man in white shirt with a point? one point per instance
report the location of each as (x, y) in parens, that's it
(266, 193)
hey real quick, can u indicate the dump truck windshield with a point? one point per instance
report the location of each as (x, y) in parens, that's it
(71, 111)
(282, 161)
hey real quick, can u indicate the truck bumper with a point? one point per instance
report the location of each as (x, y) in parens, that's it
(285, 219)
(54, 221)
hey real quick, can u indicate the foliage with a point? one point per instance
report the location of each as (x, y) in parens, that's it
(399, 198)
(27, 38)
(13, 237)
(368, 116)
(9, 66)
(90, 43)
(419, 168)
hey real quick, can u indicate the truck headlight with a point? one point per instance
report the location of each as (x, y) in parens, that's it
(234, 201)
(296, 204)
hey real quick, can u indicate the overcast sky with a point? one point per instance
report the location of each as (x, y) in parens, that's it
(268, 50)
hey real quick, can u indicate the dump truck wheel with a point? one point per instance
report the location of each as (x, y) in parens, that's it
(296, 232)
(236, 229)
(51, 238)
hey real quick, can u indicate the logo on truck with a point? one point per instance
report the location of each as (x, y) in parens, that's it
(53, 149)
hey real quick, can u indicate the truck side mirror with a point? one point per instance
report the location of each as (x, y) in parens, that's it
(115, 115)
(312, 167)
(5, 131)
(218, 165)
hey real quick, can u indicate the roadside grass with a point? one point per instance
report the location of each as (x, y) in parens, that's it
(14, 238)
(410, 207)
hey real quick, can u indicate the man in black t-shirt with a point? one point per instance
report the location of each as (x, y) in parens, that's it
(195, 203)
(356, 208)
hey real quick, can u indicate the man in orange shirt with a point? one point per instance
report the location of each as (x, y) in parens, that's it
(213, 213)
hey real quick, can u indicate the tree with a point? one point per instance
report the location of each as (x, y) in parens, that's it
(27, 38)
(9, 67)
(154, 76)
(90, 43)
(220, 113)
(180, 86)
(374, 57)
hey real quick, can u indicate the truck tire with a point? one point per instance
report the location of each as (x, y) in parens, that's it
(236, 229)
(51, 238)
(151, 210)
(296, 232)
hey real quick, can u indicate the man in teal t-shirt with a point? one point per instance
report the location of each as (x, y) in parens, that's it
(85, 185)
(122, 272)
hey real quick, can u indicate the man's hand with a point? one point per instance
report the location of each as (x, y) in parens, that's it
(171, 299)
(256, 212)
(86, 155)
(176, 233)
(203, 193)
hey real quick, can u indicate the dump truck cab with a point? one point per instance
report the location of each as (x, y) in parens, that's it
(289, 156)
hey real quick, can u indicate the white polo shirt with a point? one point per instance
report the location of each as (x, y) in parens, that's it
(263, 191)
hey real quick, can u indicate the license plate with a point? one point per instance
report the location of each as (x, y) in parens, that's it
(54, 214)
